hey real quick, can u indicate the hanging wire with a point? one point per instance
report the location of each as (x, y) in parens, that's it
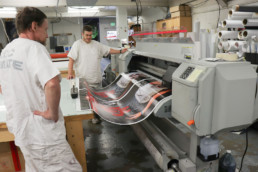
(5, 30)
(219, 14)
(246, 147)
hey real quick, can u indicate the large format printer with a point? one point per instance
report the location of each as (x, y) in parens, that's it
(208, 97)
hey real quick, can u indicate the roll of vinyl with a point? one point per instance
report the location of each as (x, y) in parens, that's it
(234, 45)
(228, 34)
(239, 44)
(253, 47)
(246, 47)
(232, 24)
(235, 15)
(239, 35)
(203, 40)
(223, 45)
(196, 29)
(213, 43)
(247, 34)
(246, 8)
(250, 22)
(197, 50)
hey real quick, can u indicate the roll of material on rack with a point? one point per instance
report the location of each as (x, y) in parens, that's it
(223, 45)
(203, 40)
(250, 22)
(232, 24)
(246, 47)
(234, 45)
(239, 36)
(245, 8)
(196, 29)
(235, 15)
(253, 47)
(228, 34)
(247, 34)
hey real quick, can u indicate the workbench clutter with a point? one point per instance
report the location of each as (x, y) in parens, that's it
(130, 99)
(180, 20)
(240, 34)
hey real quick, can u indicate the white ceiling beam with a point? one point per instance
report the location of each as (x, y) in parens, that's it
(157, 3)
(34, 3)
(83, 14)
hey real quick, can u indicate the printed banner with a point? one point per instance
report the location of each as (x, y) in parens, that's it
(130, 99)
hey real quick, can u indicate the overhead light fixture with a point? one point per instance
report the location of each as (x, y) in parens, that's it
(2, 108)
(84, 9)
(8, 10)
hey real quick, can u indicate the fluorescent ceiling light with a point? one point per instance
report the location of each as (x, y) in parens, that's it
(84, 9)
(2, 108)
(8, 10)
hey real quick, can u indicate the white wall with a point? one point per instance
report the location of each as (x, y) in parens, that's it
(66, 25)
(104, 26)
(150, 16)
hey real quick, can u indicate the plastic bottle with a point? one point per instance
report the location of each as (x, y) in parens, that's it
(209, 146)
(227, 163)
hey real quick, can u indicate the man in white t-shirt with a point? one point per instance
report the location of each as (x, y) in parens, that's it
(30, 85)
(85, 56)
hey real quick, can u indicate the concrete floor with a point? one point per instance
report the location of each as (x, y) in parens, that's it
(114, 148)
(237, 143)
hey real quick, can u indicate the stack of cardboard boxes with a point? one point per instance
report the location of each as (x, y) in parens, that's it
(180, 20)
(180, 11)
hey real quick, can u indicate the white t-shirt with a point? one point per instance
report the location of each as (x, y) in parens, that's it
(87, 57)
(25, 68)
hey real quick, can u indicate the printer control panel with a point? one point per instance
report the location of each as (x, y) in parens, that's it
(187, 72)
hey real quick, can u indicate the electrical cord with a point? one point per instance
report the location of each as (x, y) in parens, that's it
(140, 6)
(138, 9)
(137, 12)
(188, 2)
(219, 14)
(246, 146)
(199, 4)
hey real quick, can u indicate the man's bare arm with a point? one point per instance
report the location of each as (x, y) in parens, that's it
(53, 94)
(113, 51)
(70, 69)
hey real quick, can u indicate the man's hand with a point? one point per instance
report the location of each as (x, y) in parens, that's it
(70, 69)
(70, 76)
(46, 115)
(124, 50)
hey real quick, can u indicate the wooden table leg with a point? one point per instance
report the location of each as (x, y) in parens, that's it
(16, 160)
(74, 132)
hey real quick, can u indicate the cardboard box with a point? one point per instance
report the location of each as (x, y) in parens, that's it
(187, 8)
(178, 23)
(162, 25)
(179, 8)
(172, 23)
(181, 14)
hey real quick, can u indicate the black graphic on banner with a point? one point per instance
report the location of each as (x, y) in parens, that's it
(136, 99)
